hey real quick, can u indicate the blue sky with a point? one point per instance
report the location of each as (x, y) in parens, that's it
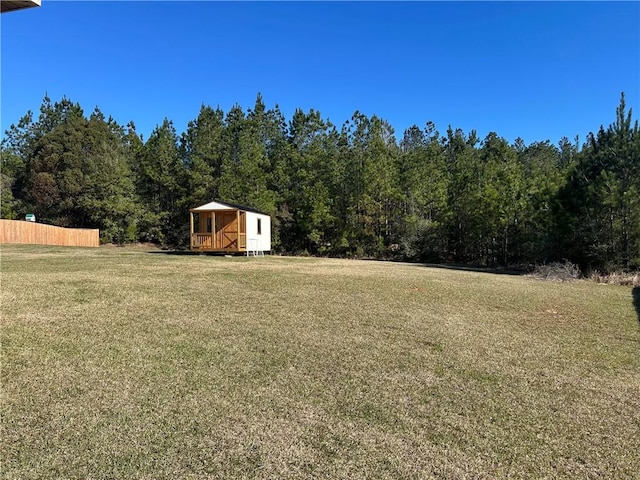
(535, 70)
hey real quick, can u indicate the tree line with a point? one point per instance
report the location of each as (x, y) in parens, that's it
(354, 190)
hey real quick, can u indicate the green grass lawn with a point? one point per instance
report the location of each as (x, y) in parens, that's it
(119, 363)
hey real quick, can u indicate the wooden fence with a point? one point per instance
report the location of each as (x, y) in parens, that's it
(16, 231)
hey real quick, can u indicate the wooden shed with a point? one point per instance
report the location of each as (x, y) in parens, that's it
(228, 228)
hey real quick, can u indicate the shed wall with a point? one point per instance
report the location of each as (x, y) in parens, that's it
(264, 239)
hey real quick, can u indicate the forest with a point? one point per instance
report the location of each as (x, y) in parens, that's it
(351, 191)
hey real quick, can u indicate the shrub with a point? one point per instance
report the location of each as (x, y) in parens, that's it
(557, 271)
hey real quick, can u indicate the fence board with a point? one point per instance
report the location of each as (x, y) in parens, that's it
(16, 231)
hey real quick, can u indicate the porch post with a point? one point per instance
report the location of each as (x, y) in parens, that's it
(214, 232)
(190, 228)
(238, 230)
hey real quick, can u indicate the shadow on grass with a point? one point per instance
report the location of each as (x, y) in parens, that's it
(190, 253)
(172, 252)
(466, 268)
(456, 266)
(635, 293)
(470, 268)
(446, 266)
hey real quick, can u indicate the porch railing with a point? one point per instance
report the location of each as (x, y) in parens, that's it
(201, 240)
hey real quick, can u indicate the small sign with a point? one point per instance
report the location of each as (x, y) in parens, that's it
(30, 217)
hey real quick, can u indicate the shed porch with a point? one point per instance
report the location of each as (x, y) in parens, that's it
(223, 231)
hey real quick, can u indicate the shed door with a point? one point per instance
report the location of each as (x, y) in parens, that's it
(227, 230)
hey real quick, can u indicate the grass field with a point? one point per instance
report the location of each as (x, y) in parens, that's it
(120, 363)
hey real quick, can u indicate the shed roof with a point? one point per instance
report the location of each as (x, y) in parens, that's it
(11, 5)
(220, 205)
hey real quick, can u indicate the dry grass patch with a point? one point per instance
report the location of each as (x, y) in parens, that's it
(118, 363)
(617, 278)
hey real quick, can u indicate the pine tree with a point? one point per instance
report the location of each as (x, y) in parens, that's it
(162, 186)
(599, 212)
